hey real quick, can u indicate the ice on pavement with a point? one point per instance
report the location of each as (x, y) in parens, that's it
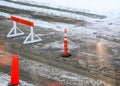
(5, 79)
(93, 6)
(106, 27)
(109, 8)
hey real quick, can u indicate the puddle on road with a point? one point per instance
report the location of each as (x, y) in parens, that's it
(97, 56)
(4, 55)
(96, 53)
(103, 55)
(53, 83)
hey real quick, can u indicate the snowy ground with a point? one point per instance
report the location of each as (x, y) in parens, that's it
(106, 27)
(5, 79)
(87, 32)
(93, 6)
(111, 11)
(58, 74)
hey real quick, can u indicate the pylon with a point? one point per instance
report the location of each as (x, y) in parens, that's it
(66, 54)
(14, 80)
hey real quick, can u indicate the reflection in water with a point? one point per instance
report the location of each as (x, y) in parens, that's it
(4, 61)
(4, 55)
(105, 63)
(53, 83)
(2, 47)
(103, 55)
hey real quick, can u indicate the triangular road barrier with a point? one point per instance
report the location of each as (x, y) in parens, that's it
(15, 31)
(32, 37)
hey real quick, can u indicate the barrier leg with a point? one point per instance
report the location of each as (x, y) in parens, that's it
(15, 31)
(32, 37)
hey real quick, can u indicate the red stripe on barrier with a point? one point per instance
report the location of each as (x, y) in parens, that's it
(19, 20)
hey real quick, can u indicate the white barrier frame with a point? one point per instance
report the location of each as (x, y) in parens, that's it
(31, 36)
(14, 31)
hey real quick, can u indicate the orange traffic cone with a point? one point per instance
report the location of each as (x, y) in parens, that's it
(65, 48)
(66, 54)
(15, 72)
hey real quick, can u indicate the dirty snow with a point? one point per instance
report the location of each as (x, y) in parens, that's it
(93, 6)
(58, 74)
(110, 8)
(5, 79)
(106, 27)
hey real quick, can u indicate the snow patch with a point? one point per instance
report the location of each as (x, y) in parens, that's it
(5, 78)
(6, 15)
(107, 7)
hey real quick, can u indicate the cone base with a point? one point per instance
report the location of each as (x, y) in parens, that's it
(13, 85)
(67, 55)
